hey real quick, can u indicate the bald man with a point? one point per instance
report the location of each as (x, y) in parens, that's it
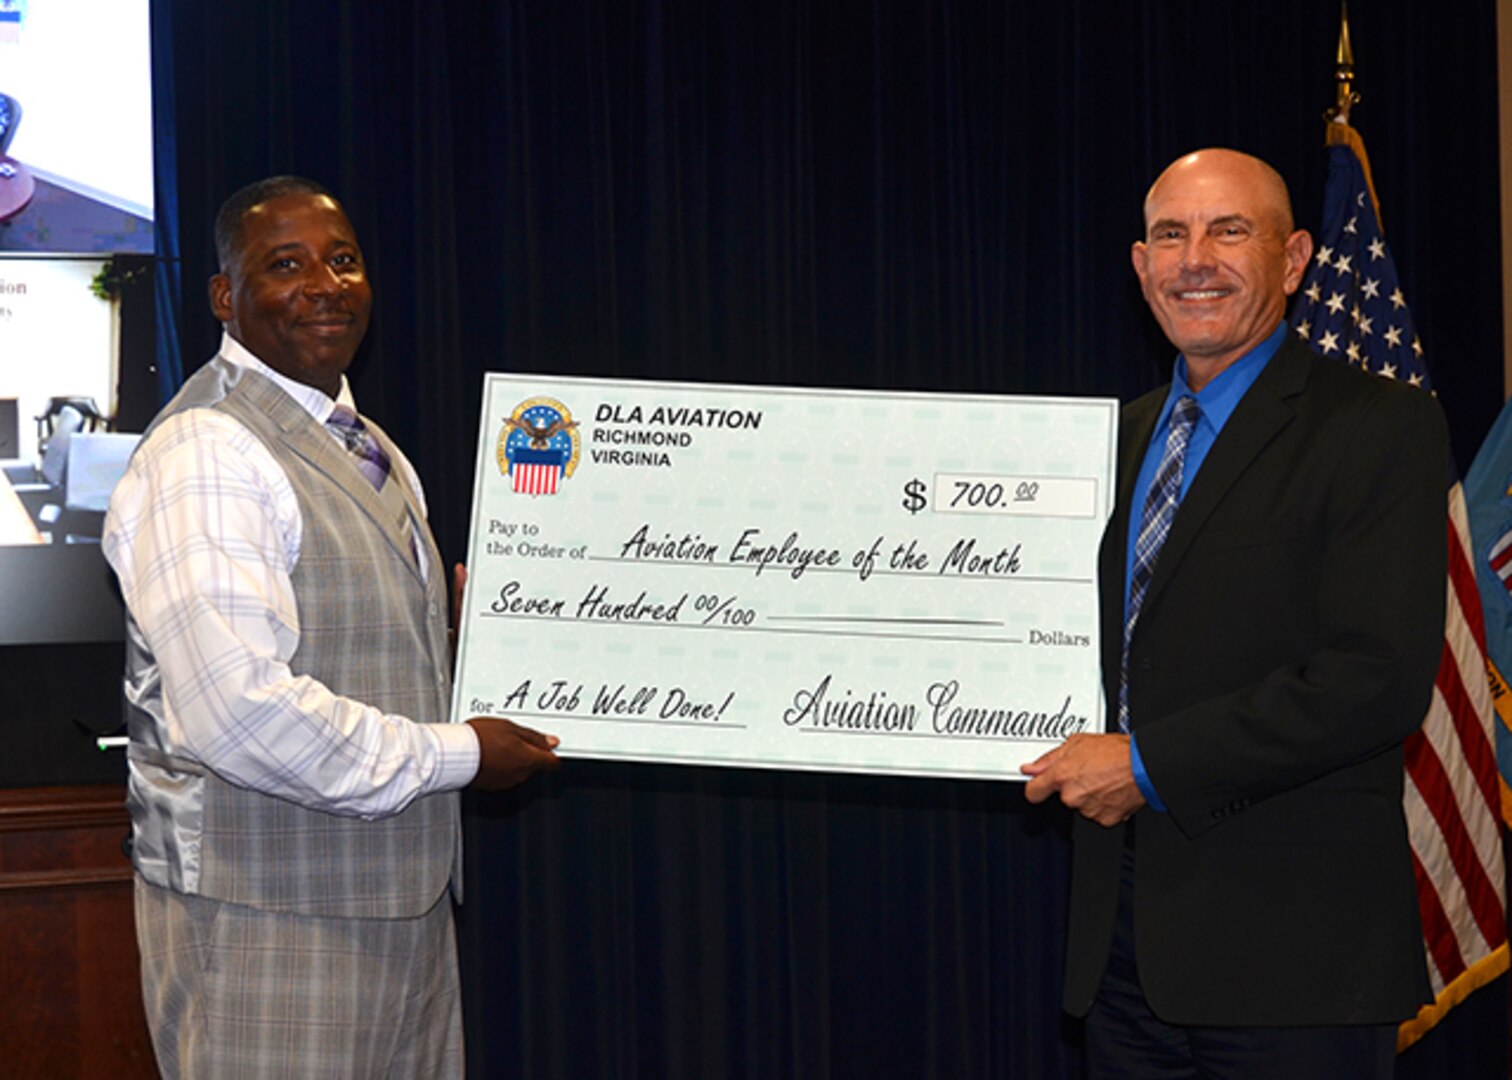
(1272, 586)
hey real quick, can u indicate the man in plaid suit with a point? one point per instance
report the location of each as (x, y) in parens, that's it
(292, 776)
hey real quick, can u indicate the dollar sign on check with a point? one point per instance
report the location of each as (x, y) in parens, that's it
(913, 496)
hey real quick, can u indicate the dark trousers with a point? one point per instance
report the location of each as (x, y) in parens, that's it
(1126, 1041)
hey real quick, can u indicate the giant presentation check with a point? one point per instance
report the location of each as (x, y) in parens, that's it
(811, 579)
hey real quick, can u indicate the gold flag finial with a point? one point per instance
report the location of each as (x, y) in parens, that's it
(1339, 133)
(1343, 72)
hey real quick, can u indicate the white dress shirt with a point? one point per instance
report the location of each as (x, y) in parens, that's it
(203, 533)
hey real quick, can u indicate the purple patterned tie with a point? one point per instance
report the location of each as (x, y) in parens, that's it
(371, 459)
(1154, 526)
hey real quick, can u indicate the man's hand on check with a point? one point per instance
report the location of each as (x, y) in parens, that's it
(510, 753)
(1093, 776)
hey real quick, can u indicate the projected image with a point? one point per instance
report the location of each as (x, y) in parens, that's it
(75, 126)
(59, 457)
(60, 451)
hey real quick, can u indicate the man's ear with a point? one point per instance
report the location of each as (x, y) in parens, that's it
(1139, 255)
(1299, 249)
(220, 297)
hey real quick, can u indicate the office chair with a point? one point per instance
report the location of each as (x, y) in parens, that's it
(17, 185)
(74, 413)
(70, 419)
(10, 119)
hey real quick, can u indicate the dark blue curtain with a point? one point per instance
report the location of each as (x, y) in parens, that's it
(938, 194)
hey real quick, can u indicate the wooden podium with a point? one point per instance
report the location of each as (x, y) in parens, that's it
(70, 989)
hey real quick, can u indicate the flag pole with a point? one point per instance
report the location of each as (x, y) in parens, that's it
(1504, 93)
(1346, 97)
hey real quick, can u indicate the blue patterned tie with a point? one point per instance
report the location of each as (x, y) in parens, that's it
(1154, 526)
(371, 459)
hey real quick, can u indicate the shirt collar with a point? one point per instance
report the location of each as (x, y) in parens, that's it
(1222, 394)
(313, 401)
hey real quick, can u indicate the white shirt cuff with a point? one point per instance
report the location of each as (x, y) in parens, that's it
(459, 755)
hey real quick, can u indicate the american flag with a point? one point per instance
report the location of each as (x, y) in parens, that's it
(534, 479)
(1351, 307)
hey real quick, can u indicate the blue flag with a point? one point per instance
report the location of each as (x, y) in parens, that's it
(1488, 502)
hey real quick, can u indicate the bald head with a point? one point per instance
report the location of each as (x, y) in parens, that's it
(1219, 257)
(1220, 170)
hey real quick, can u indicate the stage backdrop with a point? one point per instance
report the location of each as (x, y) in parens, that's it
(929, 195)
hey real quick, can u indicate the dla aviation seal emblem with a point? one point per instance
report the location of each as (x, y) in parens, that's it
(539, 446)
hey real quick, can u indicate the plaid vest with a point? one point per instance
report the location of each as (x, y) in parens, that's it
(371, 630)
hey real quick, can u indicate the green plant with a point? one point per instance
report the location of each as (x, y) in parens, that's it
(114, 276)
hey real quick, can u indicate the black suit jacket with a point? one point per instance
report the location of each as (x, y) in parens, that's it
(1286, 646)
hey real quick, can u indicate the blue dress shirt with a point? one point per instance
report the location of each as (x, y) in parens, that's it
(1217, 400)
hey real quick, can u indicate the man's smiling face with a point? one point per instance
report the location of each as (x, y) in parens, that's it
(296, 294)
(1219, 257)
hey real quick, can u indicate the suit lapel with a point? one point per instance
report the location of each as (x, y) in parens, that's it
(1138, 426)
(399, 483)
(1135, 426)
(1262, 414)
(388, 509)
